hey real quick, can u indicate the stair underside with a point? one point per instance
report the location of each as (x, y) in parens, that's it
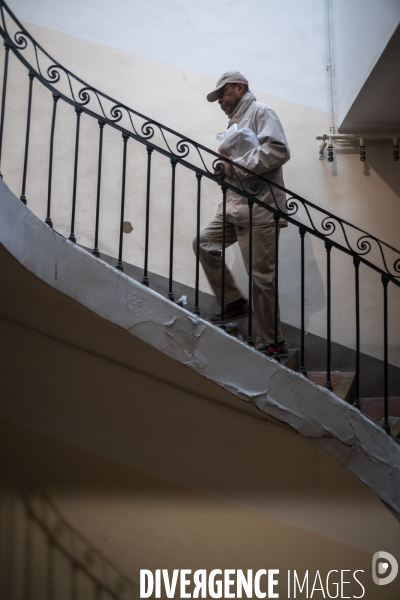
(195, 348)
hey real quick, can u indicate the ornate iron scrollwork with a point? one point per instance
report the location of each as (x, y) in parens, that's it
(187, 152)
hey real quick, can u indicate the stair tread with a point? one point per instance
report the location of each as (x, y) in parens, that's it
(341, 381)
(290, 361)
(374, 407)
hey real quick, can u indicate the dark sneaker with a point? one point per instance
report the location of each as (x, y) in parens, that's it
(269, 349)
(234, 310)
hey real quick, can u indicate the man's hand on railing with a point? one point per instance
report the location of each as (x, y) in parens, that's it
(223, 169)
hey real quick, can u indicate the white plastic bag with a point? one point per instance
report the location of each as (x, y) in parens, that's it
(235, 142)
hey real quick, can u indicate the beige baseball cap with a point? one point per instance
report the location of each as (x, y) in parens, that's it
(229, 77)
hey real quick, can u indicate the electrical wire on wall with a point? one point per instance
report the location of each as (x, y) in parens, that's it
(329, 67)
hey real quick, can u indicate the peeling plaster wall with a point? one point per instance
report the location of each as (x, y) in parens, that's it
(367, 195)
(314, 412)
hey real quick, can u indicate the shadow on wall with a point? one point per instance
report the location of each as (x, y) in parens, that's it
(379, 157)
(290, 277)
(43, 554)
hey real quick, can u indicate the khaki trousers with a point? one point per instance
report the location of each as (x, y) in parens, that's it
(263, 269)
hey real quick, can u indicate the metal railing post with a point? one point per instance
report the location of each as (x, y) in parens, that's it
(196, 310)
(302, 369)
(250, 273)
(174, 162)
(96, 231)
(275, 355)
(72, 237)
(356, 262)
(328, 248)
(386, 425)
(31, 76)
(224, 188)
(145, 279)
(120, 267)
(3, 98)
(48, 220)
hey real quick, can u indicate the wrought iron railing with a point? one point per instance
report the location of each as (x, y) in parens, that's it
(307, 217)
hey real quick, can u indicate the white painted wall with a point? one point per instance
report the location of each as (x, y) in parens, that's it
(365, 194)
(269, 41)
(361, 29)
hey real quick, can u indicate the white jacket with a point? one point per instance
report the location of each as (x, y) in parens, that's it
(266, 160)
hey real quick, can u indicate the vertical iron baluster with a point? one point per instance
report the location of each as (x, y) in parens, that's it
(171, 240)
(250, 321)
(28, 125)
(275, 355)
(328, 247)
(78, 111)
(224, 190)
(120, 267)
(386, 425)
(302, 369)
(145, 279)
(196, 291)
(356, 262)
(96, 233)
(56, 98)
(3, 100)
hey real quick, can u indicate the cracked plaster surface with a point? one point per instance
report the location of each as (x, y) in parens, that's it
(352, 439)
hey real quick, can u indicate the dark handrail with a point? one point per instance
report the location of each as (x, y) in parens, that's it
(318, 222)
(88, 95)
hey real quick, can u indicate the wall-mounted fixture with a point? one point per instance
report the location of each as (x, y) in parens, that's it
(350, 138)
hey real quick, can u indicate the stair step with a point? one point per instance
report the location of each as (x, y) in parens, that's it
(394, 423)
(343, 383)
(374, 407)
(291, 361)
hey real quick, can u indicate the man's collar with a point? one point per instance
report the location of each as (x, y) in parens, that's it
(241, 107)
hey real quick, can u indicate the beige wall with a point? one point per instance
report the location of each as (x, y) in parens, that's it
(114, 520)
(72, 375)
(366, 195)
